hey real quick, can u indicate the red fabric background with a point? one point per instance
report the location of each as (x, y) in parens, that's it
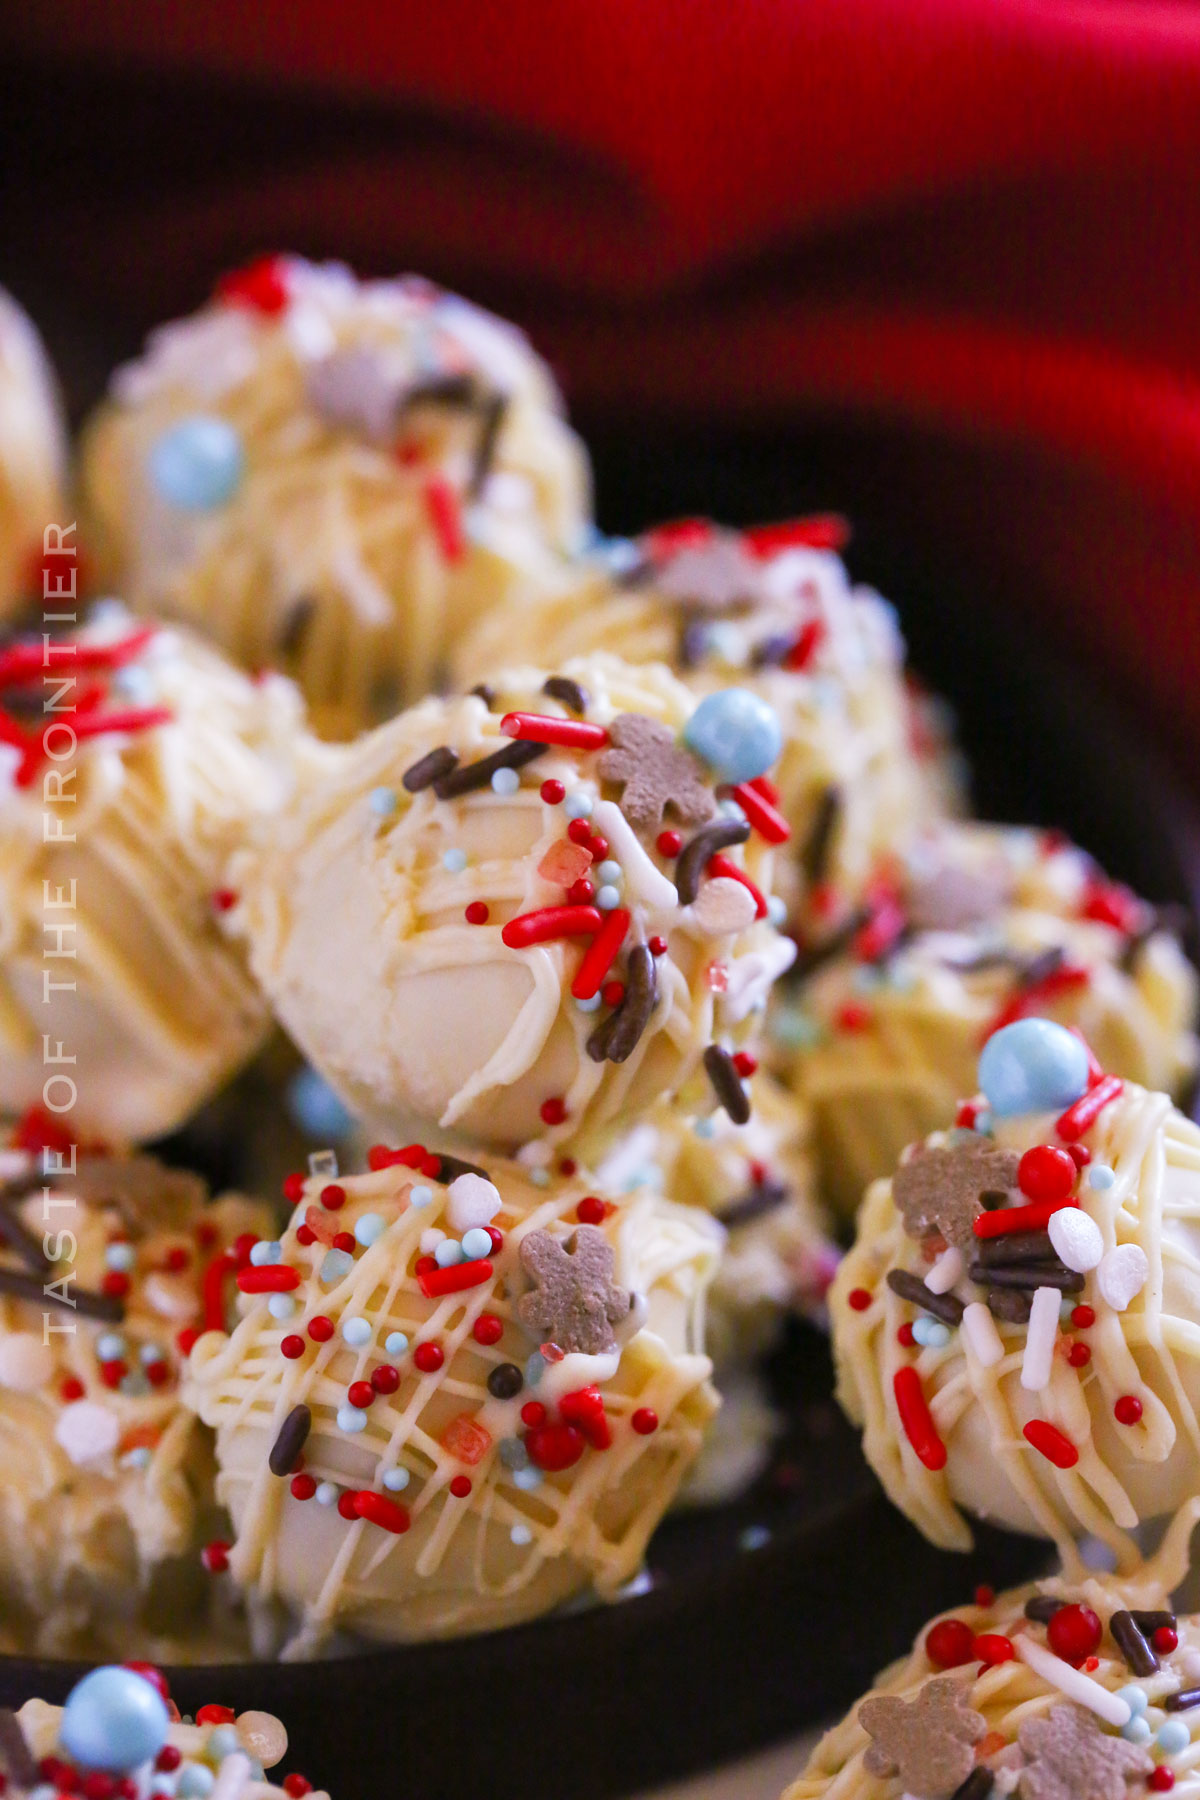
(975, 220)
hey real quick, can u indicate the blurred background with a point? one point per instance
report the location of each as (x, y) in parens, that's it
(934, 263)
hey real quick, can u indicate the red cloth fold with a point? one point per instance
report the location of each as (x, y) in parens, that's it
(975, 220)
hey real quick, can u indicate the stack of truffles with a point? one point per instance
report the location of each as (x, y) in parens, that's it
(614, 903)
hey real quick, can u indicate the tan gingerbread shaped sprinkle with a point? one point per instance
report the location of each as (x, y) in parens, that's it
(926, 1741)
(1071, 1758)
(656, 774)
(575, 1302)
(942, 1190)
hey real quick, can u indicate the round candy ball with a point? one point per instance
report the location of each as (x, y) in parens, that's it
(735, 733)
(197, 465)
(114, 1719)
(1032, 1066)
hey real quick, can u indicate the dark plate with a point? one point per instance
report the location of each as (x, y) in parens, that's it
(770, 1613)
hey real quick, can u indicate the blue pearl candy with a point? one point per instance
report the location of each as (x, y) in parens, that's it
(357, 1332)
(198, 464)
(448, 1253)
(1135, 1698)
(476, 1243)
(120, 1256)
(223, 1741)
(505, 781)
(396, 1480)
(736, 733)
(931, 1334)
(608, 897)
(420, 1196)
(351, 1419)
(1137, 1731)
(281, 1306)
(383, 801)
(315, 1107)
(1173, 1736)
(578, 806)
(114, 1719)
(267, 1250)
(396, 1343)
(1032, 1066)
(195, 1782)
(369, 1229)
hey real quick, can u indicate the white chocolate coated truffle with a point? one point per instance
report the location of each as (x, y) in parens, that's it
(1066, 1423)
(105, 1479)
(389, 462)
(113, 845)
(33, 452)
(442, 1504)
(994, 920)
(388, 927)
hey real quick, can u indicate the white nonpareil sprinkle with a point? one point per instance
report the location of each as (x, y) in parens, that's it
(473, 1200)
(1072, 1682)
(1038, 1360)
(979, 1329)
(1077, 1238)
(945, 1271)
(1122, 1275)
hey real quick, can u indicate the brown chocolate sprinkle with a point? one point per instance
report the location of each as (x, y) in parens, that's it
(656, 774)
(15, 1754)
(1132, 1645)
(1013, 1305)
(492, 414)
(1040, 967)
(727, 1083)
(435, 765)
(910, 1287)
(977, 1786)
(83, 1301)
(1149, 1622)
(561, 687)
(939, 1189)
(1028, 1276)
(814, 857)
(616, 1038)
(483, 692)
(470, 777)
(699, 851)
(766, 1197)
(505, 1381)
(1042, 1608)
(1183, 1701)
(451, 1167)
(1017, 1247)
(293, 1435)
(927, 1740)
